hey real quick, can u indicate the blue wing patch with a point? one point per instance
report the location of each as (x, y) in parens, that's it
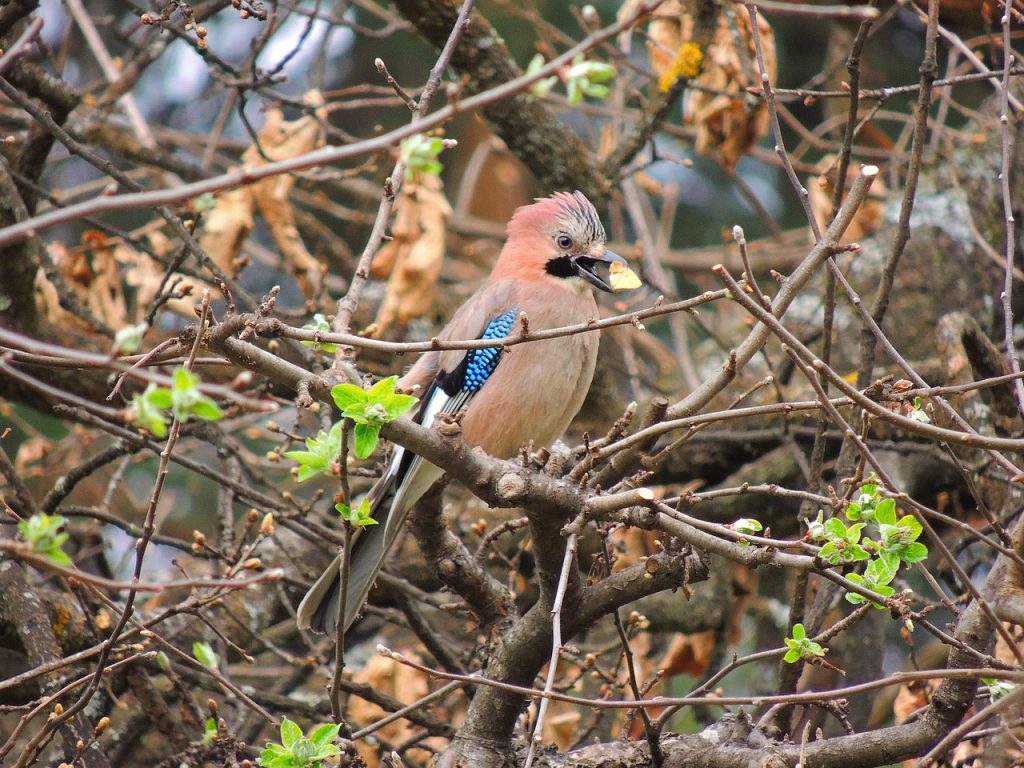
(480, 363)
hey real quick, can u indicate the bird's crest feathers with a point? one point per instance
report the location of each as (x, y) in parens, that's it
(572, 212)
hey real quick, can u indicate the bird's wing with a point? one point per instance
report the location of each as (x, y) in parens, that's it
(459, 376)
(448, 381)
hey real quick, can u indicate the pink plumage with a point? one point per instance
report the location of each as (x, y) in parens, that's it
(546, 271)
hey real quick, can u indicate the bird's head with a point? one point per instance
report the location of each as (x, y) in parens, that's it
(561, 238)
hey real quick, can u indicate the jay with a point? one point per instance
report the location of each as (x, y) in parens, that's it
(552, 260)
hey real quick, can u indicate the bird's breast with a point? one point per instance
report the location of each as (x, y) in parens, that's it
(538, 386)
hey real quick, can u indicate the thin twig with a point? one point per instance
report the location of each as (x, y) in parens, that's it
(568, 563)
(898, 678)
(1009, 237)
(780, 147)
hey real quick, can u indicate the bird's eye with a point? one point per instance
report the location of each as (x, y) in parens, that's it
(564, 241)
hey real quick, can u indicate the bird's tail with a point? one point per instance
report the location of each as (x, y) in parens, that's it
(320, 608)
(390, 501)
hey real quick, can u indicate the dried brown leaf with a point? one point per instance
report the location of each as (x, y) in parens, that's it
(91, 273)
(666, 32)
(226, 227)
(399, 682)
(229, 223)
(415, 253)
(729, 121)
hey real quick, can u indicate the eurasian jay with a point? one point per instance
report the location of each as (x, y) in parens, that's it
(530, 392)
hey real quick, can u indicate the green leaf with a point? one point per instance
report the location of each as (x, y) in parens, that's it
(853, 511)
(146, 410)
(128, 340)
(575, 93)
(748, 526)
(187, 400)
(290, 733)
(357, 413)
(399, 405)
(205, 654)
(383, 389)
(209, 730)
(159, 397)
(183, 378)
(366, 437)
(877, 575)
(204, 202)
(207, 410)
(323, 450)
(347, 395)
(303, 752)
(542, 87)
(830, 553)
(835, 528)
(914, 553)
(912, 523)
(917, 413)
(885, 511)
(275, 756)
(800, 647)
(997, 689)
(419, 153)
(320, 325)
(42, 533)
(360, 517)
(58, 556)
(880, 571)
(324, 734)
(890, 563)
(853, 597)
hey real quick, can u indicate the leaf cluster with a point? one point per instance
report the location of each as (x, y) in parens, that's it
(43, 534)
(895, 544)
(369, 410)
(582, 78)
(298, 751)
(184, 400)
(800, 647)
(320, 325)
(419, 153)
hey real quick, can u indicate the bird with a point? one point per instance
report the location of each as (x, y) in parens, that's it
(552, 260)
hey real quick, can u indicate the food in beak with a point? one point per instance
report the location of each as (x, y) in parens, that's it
(622, 278)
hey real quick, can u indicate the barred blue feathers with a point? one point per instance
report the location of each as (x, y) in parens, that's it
(480, 363)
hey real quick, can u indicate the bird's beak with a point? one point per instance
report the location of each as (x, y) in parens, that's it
(620, 276)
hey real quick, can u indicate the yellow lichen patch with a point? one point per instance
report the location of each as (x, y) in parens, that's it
(686, 64)
(61, 620)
